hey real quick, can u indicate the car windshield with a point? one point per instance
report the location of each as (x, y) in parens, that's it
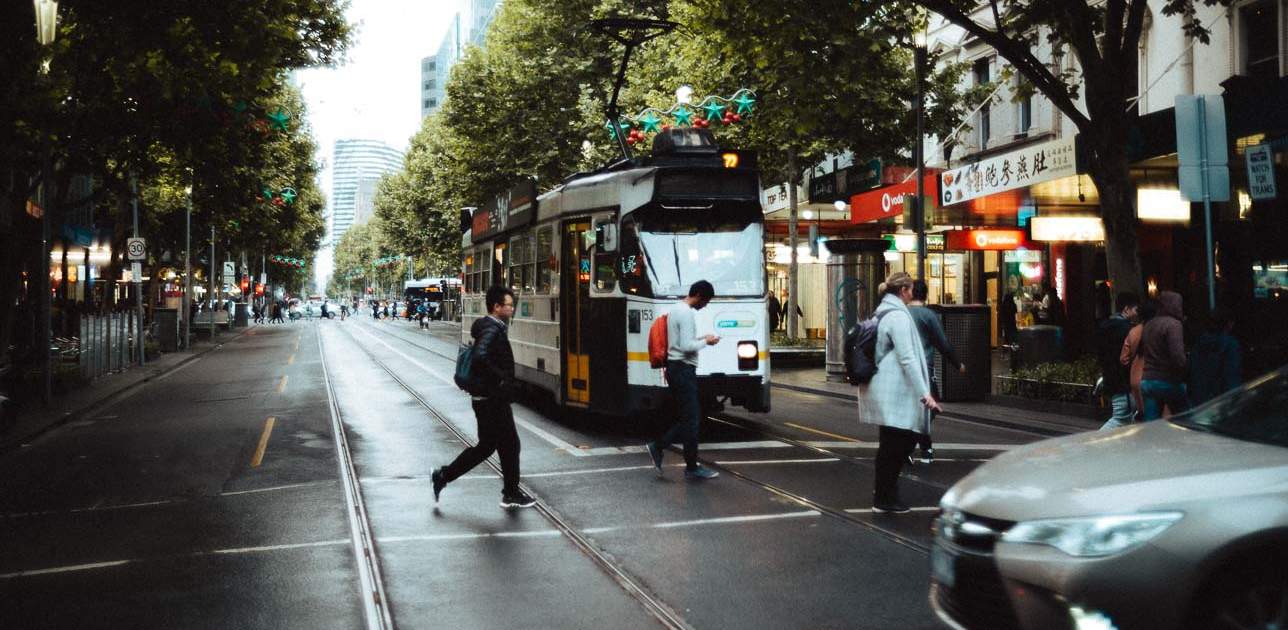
(728, 254)
(1257, 412)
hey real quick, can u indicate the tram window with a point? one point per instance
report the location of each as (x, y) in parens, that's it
(543, 258)
(631, 258)
(605, 268)
(519, 256)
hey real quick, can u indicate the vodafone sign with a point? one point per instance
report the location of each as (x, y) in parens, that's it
(991, 239)
(888, 201)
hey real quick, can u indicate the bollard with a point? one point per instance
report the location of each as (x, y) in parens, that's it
(854, 269)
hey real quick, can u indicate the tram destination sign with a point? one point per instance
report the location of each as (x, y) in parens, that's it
(512, 209)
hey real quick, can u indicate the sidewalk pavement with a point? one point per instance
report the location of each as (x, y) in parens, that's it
(35, 419)
(814, 381)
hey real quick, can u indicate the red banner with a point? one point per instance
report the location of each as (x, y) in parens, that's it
(987, 239)
(888, 201)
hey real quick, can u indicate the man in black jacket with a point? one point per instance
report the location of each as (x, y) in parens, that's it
(494, 362)
(1116, 377)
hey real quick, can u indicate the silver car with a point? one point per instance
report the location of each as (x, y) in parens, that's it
(1179, 523)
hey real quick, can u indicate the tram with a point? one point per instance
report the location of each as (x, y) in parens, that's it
(595, 260)
(434, 292)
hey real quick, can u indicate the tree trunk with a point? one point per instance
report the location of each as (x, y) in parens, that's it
(1110, 172)
(793, 296)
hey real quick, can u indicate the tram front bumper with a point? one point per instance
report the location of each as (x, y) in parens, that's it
(750, 391)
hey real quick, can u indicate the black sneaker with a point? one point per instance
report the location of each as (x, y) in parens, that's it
(700, 473)
(927, 455)
(436, 478)
(517, 499)
(655, 452)
(890, 508)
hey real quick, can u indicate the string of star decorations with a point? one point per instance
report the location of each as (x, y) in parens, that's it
(283, 197)
(287, 261)
(713, 109)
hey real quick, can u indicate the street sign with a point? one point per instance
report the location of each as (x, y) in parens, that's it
(230, 270)
(1261, 172)
(1201, 147)
(136, 248)
(136, 271)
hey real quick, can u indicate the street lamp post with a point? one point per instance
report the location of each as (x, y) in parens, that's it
(919, 212)
(210, 296)
(186, 315)
(46, 31)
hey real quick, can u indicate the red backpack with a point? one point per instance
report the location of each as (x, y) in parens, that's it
(657, 343)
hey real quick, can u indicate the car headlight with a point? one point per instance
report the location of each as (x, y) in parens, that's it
(1093, 536)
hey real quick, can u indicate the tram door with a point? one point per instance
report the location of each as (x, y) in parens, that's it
(575, 311)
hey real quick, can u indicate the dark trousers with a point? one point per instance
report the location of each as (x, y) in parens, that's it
(923, 439)
(496, 433)
(682, 380)
(892, 452)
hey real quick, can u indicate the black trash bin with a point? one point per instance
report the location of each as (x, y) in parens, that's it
(967, 329)
(1038, 344)
(167, 320)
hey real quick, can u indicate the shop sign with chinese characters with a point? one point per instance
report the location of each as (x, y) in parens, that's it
(1071, 229)
(1008, 171)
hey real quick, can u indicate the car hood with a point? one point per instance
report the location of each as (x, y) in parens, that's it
(1156, 465)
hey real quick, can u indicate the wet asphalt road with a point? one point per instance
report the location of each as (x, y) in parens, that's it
(182, 505)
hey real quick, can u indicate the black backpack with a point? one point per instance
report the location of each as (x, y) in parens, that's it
(860, 350)
(466, 377)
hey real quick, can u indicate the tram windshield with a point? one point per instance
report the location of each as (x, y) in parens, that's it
(724, 248)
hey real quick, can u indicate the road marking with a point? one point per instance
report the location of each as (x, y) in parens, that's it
(74, 567)
(281, 386)
(263, 442)
(540, 533)
(778, 461)
(292, 486)
(291, 361)
(819, 432)
(726, 520)
(873, 510)
(236, 550)
(94, 508)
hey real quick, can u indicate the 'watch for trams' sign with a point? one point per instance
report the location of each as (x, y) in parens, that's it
(1261, 172)
(1023, 167)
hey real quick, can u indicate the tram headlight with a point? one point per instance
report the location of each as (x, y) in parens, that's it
(748, 355)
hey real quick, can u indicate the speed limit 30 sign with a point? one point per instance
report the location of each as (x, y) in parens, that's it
(136, 249)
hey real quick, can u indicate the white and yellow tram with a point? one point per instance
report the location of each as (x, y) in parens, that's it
(595, 260)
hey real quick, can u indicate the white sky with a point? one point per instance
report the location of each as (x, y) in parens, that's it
(377, 93)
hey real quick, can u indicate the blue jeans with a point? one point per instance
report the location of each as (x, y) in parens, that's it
(1123, 409)
(682, 380)
(1158, 393)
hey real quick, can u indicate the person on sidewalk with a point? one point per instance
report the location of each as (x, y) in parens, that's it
(1111, 334)
(494, 361)
(1130, 355)
(775, 311)
(683, 344)
(1162, 345)
(1216, 362)
(898, 396)
(933, 339)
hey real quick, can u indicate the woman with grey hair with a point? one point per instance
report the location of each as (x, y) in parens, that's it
(898, 398)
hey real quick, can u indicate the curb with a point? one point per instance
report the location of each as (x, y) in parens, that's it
(14, 443)
(1045, 431)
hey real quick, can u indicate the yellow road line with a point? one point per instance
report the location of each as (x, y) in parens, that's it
(290, 360)
(263, 442)
(281, 386)
(813, 430)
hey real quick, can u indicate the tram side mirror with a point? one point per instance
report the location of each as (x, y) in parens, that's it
(606, 237)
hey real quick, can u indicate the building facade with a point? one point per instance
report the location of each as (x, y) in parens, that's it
(358, 167)
(468, 28)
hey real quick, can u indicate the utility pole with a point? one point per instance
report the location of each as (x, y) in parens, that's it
(138, 280)
(186, 315)
(919, 147)
(793, 297)
(210, 297)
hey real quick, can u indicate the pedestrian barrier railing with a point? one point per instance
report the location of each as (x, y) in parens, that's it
(109, 343)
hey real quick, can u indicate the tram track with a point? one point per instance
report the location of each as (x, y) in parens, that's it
(658, 609)
(761, 432)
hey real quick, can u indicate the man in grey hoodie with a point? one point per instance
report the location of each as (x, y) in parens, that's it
(1162, 345)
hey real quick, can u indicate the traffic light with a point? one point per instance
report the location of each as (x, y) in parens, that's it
(245, 284)
(259, 289)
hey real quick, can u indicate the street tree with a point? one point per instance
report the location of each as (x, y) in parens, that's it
(1104, 38)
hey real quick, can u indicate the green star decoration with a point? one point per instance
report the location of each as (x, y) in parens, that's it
(683, 116)
(268, 193)
(289, 195)
(745, 103)
(279, 119)
(623, 125)
(714, 110)
(652, 124)
(239, 106)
